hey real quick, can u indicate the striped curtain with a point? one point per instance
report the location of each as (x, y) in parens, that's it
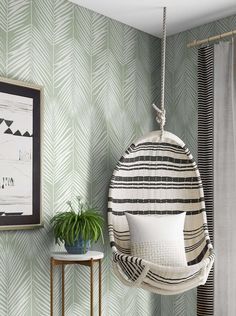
(225, 177)
(205, 293)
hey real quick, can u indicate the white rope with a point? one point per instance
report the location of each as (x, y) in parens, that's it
(161, 117)
(161, 113)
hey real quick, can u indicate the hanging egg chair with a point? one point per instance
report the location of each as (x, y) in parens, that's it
(156, 213)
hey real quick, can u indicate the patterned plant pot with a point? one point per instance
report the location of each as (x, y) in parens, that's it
(79, 247)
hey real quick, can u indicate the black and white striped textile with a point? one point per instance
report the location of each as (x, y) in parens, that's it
(205, 294)
(159, 176)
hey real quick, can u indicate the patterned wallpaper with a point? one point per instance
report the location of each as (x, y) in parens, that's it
(100, 78)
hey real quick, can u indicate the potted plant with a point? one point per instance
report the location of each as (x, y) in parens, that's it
(77, 228)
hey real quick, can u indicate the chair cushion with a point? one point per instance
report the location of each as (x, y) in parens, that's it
(158, 238)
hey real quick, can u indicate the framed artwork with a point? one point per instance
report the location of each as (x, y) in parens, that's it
(20, 151)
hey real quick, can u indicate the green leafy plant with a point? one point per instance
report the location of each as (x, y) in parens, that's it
(85, 222)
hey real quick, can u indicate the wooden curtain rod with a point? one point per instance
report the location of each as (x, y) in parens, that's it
(211, 38)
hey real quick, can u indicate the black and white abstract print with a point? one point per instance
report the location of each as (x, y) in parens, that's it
(16, 144)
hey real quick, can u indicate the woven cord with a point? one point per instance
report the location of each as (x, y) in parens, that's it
(161, 113)
(163, 61)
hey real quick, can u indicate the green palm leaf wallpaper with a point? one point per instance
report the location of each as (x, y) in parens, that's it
(100, 78)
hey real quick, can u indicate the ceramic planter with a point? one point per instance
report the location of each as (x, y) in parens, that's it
(80, 246)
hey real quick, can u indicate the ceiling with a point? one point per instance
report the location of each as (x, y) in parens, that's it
(146, 15)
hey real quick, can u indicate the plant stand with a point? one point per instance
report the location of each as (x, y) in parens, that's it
(88, 259)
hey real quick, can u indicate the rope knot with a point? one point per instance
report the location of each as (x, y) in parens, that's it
(161, 116)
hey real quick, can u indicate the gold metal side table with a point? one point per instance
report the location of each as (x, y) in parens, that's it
(88, 259)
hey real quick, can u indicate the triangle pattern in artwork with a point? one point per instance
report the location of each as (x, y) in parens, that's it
(17, 133)
(8, 123)
(8, 131)
(26, 134)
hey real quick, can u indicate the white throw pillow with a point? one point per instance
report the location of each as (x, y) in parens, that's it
(158, 238)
